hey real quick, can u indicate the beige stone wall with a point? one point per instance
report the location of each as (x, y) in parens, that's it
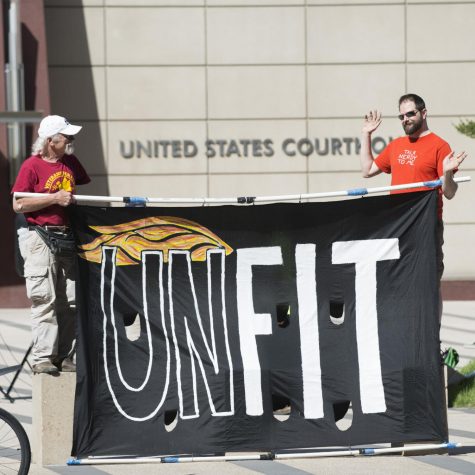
(195, 70)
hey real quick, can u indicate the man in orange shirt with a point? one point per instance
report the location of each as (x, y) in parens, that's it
(418, 156)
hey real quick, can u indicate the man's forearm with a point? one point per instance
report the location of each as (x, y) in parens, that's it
(366, 154)
(30, 204)
(449, 186)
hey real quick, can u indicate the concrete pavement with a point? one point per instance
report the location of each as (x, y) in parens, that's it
(458, 331)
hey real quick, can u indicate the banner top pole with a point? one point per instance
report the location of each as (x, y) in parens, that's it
(143, 201)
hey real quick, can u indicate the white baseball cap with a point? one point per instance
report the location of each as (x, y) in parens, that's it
(55, 124)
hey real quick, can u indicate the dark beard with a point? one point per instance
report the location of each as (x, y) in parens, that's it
(412, 128)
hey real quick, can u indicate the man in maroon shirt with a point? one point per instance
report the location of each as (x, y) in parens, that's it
(53, 171)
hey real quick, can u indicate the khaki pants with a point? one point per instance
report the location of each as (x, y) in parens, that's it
(50, 285)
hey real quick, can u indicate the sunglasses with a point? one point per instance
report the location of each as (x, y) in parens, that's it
(408, 114)
(69, 137)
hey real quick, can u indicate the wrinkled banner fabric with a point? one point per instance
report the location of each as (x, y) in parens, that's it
(319, 305)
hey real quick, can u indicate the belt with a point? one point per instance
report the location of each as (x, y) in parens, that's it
(62, 229)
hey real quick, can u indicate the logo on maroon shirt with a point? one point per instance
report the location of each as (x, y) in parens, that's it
(62, 180)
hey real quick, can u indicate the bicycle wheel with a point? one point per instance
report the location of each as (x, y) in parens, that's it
(15, 452)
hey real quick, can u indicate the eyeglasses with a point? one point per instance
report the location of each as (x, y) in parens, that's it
(408, 114)
(69, 137)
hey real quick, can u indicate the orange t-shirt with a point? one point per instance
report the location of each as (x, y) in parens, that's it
(414, 160)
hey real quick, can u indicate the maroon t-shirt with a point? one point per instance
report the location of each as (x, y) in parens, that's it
(39, 176)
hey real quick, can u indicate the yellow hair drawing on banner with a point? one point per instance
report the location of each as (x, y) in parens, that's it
(160, 233)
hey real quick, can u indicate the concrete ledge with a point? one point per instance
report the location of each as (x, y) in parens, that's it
(53, 411)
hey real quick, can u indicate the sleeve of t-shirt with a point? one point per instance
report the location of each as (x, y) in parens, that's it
(442, 152)
(26, 179)
(383, 160)
(80, 174)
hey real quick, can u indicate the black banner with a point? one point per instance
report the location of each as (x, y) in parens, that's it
(245, 310)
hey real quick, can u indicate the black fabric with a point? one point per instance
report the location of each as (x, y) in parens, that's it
(20, 222)
(126, 400)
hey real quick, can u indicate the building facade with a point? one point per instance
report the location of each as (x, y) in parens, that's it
(218, 98)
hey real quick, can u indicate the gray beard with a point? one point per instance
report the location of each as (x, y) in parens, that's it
(69, 150)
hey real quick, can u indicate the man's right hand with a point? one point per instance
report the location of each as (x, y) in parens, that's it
(371, 121)
(63, 198)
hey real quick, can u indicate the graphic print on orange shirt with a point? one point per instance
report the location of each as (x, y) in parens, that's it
(407, 157)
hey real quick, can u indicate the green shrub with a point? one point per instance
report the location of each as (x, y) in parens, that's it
(466, 127)
(463, 394)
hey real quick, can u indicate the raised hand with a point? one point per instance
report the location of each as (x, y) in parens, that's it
(371, 121)
(452, 161)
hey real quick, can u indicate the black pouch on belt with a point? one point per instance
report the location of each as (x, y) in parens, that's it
(60, 243)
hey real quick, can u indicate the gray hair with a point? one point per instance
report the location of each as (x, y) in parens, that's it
(39, 146)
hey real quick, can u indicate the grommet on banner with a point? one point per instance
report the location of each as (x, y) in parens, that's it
(267, 456)
(135, 201)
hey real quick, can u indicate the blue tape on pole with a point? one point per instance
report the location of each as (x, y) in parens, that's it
(367, 452)
(433, 183)
(135, 201)
(357, 192)
(73, 462)
(170, 460)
